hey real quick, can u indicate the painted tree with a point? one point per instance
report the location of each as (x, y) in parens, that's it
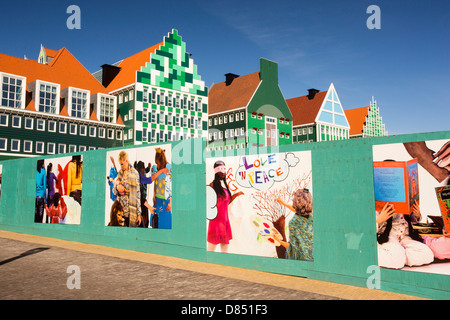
(265, 202)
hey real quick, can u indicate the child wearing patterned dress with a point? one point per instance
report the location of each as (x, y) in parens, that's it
(301, 235)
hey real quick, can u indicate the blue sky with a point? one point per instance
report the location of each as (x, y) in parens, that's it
(405, 65)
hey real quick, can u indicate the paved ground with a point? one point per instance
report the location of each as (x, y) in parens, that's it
(35, 268)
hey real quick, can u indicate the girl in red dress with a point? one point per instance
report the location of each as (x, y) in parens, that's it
(219, 229)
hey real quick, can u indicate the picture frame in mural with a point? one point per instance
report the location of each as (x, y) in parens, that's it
(139, 187)
(396, 182)
(255, 214)
(410, 242)
(59, 190)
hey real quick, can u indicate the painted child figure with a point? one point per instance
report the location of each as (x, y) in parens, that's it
(162, 197)
(398, 243)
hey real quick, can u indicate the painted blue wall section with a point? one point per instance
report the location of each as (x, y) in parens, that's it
(344, 220)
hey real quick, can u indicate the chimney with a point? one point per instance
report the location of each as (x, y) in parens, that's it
(109, 72)
(229, 77)
(312, 93)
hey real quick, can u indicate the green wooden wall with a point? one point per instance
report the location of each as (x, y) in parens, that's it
(344, 219)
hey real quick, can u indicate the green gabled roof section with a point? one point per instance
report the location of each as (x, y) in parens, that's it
(331, 110)
(171, 67)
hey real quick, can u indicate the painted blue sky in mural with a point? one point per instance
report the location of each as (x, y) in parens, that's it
(405, 64)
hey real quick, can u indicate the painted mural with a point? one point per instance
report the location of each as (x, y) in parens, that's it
(412, 204)
(261, 205)
(59, 190)
(139, 187)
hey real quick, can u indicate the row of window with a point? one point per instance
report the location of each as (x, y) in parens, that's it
(227, 147)
(41, 147)
(259, 116)
(334, 132)
(229, 133)
(170, 119)
(163, 98)
(46, 97)
(237, 132)
(62, 127)
(154, 135)
(223, 119)
(302, 131)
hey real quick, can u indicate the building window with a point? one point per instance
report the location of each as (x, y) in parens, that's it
(39, 147)
(82, 148)
(3, 120)
(101, 132)
(92, 132)
(3, 142)
(83, 130)
(73, 128)
(144, 135)
(52, 126)
(62, 127)
(118, 135)
(111, 133)
(79, 103)
(29, 123)
(51, 148)
(145, 115)
(15, 145)
(12, 91)
(145, 95)
(107, 109)
(61, 148)
(72, 148)
(40, 124)
(16, 122)
(48, 98)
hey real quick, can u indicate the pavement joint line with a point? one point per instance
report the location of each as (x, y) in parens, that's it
(336, 290)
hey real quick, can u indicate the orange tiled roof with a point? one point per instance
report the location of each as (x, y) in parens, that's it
(304, 111)
(222, 98)
(50, 52)
(129, 66)
(356, 119)
(64, 70)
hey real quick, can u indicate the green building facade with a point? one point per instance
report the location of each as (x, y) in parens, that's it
(161, 96)
(249, 111)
